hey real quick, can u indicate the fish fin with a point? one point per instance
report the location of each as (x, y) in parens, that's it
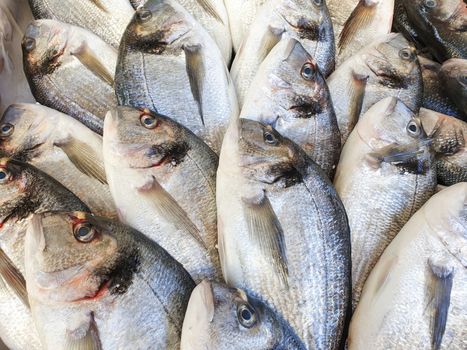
(84, 340)
(12, 277)
(357, 93)
(359, 18)
(196, 74)
(88, 58)
(405, 157)
(168, 207)
(265, 229)
(99, 5)
(209, 8)
(84, 158)
(443, 278)
(268, 41)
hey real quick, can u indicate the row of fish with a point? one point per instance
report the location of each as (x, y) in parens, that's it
(165, 196)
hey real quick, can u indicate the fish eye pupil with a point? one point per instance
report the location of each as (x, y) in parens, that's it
(246, 314)
(3, 175)
(84, 233)
(269, 138)
(6, 129)
(413, 128)
(430, 3)
(29, 44)
(144, 15)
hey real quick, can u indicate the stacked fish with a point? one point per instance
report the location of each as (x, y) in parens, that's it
(233, 174)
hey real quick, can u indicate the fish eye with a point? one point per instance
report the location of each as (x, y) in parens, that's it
(143, 15)
(414, 129)
(246, 315)
(4, 176)
(149, 121)
(430, 3)
(29, 44)
(84, 232)
(318, 2)
(406, 54)
(308, 71)
(269, 138)
(463, 79)
(6, 130)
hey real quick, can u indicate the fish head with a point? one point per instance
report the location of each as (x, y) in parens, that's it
(23, 129)
(156, 26)
(44, 45)
(455, 70)
(70, 256)
(219, 317)
(140, 138)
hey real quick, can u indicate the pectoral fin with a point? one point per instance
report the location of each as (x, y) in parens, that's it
(84, 339)
(406, 157)
(99, 5)
(84, 158)
(196, 74)
(268, 41)
(266, 232)
(360, 17)
(209, 8)
(356, 89)
(12, 277)
(91, 61)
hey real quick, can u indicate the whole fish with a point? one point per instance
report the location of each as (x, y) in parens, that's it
(242, 14)
(449, 138)
(105, 18)
(70, 69)
(415, 296)
(24, 190)
(435, 96)
(340, 11)
(386, 67)
(283, 232)
(385, 174)
(441, 26)
(61, 147)
(96, 284)
(223, 318)
(290, 94)
(454, 78)
(369, 20)
(14, 87)
(163, 181)
(307, 21)
(169, 63)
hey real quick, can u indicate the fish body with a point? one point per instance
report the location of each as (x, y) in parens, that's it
(386, 67)
(453, 75)
(306, 21)
(340, 11)
(94, 283)
(283, 233)
(162, 179)
(449, 137)
(421, 304)
(223, 318)
(24, 190)
(169, 63)
(401, 24)
(290, 94)
(61, 147)
(105, 18)
(71, 70)
(385, 174)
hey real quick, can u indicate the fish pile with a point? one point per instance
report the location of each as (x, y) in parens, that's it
(233, 174)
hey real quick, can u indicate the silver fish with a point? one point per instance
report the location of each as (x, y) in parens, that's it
(385, 174)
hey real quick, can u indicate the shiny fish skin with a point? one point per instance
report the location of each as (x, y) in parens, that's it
(130, 293)
(449, 138)
(71, 70)
(426, 262)
(214, 321)
(290, 94)
(25, 190)
(306, 21)
(61, 147)
(150, 171)
(386, 67)
(340, 10)
(276, 201)
(105, 18)
(168, 63)
(386, 172)
(453, 75)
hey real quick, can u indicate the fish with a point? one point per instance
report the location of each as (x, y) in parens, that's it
(71, 70)
(307, 21)
(386, 67)
(283, 232)
(94, 283)
(385, 174)
(152, 163)
(340, 11)
(61, 147)
(415, 296)
(441, 25)
(222, 318)
(24, 190)
(448, 140)
(242, 14)
(369, 20)
(14, 87)
(435, 96)
(105, 18)
(290, 94)
(167, 57)
(401, 24)
(454, 76)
